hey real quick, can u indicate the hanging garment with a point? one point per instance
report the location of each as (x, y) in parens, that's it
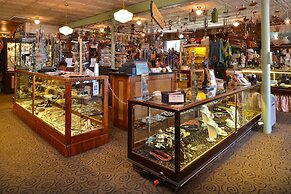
(215, 53)
(227, 53)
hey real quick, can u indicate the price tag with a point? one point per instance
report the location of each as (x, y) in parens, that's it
(95, 88)
(176, 98)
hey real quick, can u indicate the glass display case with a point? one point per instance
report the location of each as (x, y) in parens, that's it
(71, 113)
(279, 78)
(18, 54)
(27, 54)
(280, 86)
(176, 141)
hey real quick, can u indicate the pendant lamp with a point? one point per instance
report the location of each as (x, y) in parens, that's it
(36, 20)
(66, 30)
(123, 15)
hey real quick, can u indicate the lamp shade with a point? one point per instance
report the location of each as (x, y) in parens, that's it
(123, 16)
(66, 30)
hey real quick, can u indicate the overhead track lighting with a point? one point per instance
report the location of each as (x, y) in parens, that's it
(123, 15)
(66, 30)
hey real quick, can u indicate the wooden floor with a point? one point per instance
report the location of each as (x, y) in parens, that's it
(258, 163)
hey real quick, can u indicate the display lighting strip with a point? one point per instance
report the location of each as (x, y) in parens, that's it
(260, 71)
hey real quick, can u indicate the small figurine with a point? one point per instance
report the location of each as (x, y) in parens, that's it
(150, 141)
(160, 136)
(206, 82)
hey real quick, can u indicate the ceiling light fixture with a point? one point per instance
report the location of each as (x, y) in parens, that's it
(139, 22)
(235, 23)
(199, 10)
(253, 3)
(66, 30)
(181, 36)
(123, 15)
(36, 20)
(243, 7)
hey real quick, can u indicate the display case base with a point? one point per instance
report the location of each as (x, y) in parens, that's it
(76, 145)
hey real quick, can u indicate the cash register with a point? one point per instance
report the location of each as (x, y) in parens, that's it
(134, 67)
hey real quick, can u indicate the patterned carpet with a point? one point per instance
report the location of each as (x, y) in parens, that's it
(258, 163)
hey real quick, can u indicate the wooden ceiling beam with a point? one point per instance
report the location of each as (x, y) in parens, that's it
(135, 8)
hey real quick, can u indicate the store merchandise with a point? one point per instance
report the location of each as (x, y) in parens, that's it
(105, 57)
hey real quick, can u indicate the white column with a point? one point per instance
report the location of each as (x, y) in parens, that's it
(81, 54)
(265, 62)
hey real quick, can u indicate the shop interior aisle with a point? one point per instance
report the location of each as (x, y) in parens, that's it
(257, 163)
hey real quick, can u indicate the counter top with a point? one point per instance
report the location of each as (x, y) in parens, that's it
(208, 97)
(131, 75)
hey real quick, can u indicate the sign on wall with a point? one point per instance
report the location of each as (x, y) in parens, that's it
(156, 15)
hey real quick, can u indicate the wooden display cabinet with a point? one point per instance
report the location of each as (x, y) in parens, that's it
(70, 113)
(17, 54)
(125, 87)
(185, 78)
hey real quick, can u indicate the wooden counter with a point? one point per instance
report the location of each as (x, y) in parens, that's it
(126, 86)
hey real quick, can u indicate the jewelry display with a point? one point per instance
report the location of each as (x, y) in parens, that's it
(160, 155)
(50, 107)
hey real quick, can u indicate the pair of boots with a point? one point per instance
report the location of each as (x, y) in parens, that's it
(212, 126)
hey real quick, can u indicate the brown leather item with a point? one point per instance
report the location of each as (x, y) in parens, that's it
(159, 155)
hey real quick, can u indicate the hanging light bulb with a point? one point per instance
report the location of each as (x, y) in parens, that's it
(235, 23)
(139, 22)
(253, 3)
(123, 15)
(243, 7)
(181, 36)
(36, 20)
(66, 30)
(287, 20)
